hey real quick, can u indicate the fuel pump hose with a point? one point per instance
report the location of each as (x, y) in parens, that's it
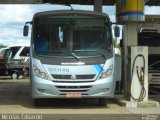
(140, 78)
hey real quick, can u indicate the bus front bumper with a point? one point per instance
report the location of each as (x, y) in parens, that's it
(102, 88)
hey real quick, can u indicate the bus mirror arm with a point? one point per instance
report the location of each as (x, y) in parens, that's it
(116, 29)
(26, 28)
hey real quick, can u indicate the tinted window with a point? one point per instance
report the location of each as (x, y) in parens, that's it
(149, 38)
(25, 51)
(154, 62)
(14, 51)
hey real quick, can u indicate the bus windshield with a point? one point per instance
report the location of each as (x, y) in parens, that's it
(149, 38)
(82, 37)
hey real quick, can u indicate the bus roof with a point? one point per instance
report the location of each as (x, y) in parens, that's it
(81, 12)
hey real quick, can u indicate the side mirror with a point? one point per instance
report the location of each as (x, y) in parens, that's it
(116, 31)
(25, 30)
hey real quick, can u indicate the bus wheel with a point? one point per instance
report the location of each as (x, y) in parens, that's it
(14, 75)
(103, 101)
(38, 102)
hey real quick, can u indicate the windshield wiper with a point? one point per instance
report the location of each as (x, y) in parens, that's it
(154, 63)
(92, 51)
(75, 56)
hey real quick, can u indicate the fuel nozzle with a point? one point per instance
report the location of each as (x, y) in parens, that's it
(142, 74)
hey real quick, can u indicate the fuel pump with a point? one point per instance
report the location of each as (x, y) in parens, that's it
(139, 73)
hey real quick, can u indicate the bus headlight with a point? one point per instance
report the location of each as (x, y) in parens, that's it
(43, 75)
(107, 73)
(39, 73)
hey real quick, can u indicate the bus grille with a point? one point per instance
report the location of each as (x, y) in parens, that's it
(73, 79)
(73, 88)
(90, 76)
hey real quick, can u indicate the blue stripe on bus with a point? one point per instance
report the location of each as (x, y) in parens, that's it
(98, 68)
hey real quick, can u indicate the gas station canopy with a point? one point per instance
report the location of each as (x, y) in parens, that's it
(80, 2)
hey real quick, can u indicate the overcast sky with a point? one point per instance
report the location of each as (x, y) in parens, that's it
(13, 17)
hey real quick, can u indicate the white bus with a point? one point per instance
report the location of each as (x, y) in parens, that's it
(149, 35)
(71, 55)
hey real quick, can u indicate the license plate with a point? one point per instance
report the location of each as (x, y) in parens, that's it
(73, 95)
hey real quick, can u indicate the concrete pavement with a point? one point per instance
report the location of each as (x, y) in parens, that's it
(15, 99)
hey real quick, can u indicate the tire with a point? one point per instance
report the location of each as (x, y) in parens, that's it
(26, 73)
(103, 102)
(38, 102)
(14, 75)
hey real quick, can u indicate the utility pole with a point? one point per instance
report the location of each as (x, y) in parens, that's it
(98, 5)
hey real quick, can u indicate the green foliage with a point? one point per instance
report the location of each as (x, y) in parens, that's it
(2, 46)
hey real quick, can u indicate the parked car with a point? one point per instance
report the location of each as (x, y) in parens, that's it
(2, 50)
(15, 61)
